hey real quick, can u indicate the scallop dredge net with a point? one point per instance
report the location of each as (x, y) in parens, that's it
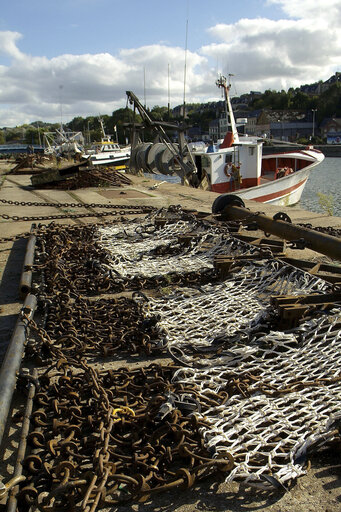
(282, 387)
(248, 392)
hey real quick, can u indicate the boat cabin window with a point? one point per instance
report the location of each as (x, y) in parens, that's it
(251, 151)
(228, 159)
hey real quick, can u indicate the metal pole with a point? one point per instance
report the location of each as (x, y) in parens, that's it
(12, 361)
(314, 111)
(12, 501)
(319, 242)
(26, 276)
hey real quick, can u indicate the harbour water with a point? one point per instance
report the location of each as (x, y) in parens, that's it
(325, 179)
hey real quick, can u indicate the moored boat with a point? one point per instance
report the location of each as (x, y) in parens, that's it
(107, 152)
(236, 166)
(239, 166)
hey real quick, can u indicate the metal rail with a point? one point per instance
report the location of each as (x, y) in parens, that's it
(12, 360)
(26, 276)
(319, 242)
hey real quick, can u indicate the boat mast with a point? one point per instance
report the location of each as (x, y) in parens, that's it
(222, 83)
(105, 138)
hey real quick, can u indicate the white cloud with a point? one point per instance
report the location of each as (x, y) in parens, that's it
(312, 10)
(39, 88)
(8, 45)
(303, 47)
(278, 54)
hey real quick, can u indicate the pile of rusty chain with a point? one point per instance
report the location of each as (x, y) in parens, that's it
(101, 440)
(89, 178)
(81, 328)
(330, 230)
(70, 260)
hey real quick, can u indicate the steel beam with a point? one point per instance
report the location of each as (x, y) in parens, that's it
(319, 242)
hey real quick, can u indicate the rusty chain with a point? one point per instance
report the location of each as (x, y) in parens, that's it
(104, 439)
(115, 210)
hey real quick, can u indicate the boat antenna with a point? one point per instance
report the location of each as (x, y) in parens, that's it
(61, 107)
(168, 93)
(185, 68)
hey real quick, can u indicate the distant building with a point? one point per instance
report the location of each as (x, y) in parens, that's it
(213, 130)
(331, 129)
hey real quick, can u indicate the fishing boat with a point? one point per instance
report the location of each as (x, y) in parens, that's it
(236, 166)
(107, 152)
(239, 166)
(63, 143)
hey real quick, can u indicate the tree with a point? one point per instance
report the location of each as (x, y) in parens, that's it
(122, 117)
(329, 103)
(31, 135)
(300, 101)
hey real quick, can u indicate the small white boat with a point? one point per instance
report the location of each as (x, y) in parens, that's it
(239, 166)
(108, 152)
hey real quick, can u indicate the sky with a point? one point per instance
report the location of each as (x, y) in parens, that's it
(67, 58)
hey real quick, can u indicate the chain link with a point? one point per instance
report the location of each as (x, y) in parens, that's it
(72, 216)
(14, 237)
(79, 205)
(115, 210)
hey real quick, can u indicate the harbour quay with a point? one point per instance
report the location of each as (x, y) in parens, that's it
(156, 354)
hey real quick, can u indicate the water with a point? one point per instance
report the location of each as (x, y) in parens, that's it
(325, 179)
(163, 177)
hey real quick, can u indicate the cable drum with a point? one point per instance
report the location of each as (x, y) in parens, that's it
(165, 161)
(141, 156)
(154, 150)
(134, 166)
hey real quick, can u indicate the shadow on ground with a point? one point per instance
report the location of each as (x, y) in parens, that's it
(9, 287)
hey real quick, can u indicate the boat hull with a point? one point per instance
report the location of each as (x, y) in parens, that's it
(109, 159)
(285, 191)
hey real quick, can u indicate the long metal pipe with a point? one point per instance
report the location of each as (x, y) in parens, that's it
(12, 501)
(12, 361)
(319, 242)
(26, 276)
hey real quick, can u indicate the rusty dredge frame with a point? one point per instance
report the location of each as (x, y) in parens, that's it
(93, 438)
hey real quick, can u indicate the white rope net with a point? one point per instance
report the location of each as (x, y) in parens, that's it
(282, 388)
(131, 249)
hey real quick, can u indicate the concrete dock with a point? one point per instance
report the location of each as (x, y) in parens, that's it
(320, 488)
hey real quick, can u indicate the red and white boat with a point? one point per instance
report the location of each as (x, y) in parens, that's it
(275, 178)
(278, 178)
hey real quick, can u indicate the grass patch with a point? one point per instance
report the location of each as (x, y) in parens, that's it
(326, 202)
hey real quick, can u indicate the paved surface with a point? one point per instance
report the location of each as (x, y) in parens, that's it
(320, 489)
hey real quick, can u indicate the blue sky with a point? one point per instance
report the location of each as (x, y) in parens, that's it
(51, 28)
(84, 54)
